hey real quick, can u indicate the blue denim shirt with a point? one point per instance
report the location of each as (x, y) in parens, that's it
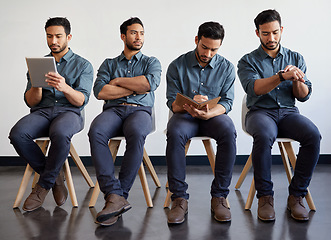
(78, 73)
(138, 65)
(186, 76)
(258, 64)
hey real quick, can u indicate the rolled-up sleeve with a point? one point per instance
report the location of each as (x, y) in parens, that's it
(173, 84)
(227, 92)
(103, 78)
(85, 81)
(247, 76)
(153, 73)
(303, 68)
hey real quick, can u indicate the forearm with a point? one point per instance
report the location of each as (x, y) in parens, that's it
(265, 85)
(110, 92)
(137, 84)
(75, 97)
(33, 96)
(216, 111)
(300, 90)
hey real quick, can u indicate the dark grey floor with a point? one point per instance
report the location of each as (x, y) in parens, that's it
(51, 222)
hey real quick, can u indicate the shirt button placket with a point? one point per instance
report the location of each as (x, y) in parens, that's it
(129, 68)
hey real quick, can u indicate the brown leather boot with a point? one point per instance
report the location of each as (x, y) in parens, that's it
(296, 207)
(115, 205)
(220, 209)
(178, 211)
(35, 199)
(60, 192)
(266, 210)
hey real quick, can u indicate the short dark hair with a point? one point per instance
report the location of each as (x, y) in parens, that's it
(267, 16)
(59, 21)
(129, 22)
(212, 30)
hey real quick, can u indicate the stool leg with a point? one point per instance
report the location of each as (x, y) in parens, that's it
(210, 153)
(23, 186)
(167, 200)
(244, 172)
(35, 179)
(310, 201)
(95, 195)
(151, 169)
(250, 197)
(144, 184)
(70, 184)
(80, 165)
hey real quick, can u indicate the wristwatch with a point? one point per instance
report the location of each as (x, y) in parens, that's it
(280, 74)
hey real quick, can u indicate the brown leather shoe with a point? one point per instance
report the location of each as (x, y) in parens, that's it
(60, 192)
(178, 211)
(108, 222)
(220, 209)
(297, 209)
(266, 210)
(35, 199)
(115, 205)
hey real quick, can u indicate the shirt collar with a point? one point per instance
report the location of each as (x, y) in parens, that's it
(66, 57)
(264, 55)
(137, 56)
(194, 61)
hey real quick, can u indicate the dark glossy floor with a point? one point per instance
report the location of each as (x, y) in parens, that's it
(140, 222)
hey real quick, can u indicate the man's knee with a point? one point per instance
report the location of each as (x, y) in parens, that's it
(16, 134)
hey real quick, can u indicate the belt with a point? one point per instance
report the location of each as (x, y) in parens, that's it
(129, 104)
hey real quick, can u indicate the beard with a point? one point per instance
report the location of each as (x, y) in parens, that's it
(202, 58)
(133, 47)
(60, 48)
(270, 48)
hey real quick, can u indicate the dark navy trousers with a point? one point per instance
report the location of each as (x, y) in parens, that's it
(134, 123)
(57, 123)
(181, 127)
(265, 125)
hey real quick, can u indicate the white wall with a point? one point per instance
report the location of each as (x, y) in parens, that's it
(170, 27)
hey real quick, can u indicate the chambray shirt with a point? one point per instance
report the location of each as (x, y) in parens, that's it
(185, 75)
(78, 73)
(258, 64)
(138, 65)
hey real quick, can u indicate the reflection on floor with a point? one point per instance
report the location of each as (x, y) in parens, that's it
(51, 222)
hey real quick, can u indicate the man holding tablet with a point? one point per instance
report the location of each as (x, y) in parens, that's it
(55, 112)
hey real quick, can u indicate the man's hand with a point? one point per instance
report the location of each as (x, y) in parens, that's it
(198, 113)
(200, 98)
(293, 73)
(56, 81)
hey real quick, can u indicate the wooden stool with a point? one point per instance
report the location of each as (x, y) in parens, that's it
(43, 143)
(114, 145)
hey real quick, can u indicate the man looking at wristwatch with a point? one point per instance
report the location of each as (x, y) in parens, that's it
(273, 78)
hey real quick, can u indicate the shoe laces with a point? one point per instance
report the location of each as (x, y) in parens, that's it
(179, 203)
(266, 200)
(299, 200)
(221, 201)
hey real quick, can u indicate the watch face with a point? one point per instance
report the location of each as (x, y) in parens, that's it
(280, 74)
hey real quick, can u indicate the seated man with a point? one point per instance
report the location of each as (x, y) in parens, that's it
(273, 78)
(55, 112)
(126, 84)
(201, 74)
